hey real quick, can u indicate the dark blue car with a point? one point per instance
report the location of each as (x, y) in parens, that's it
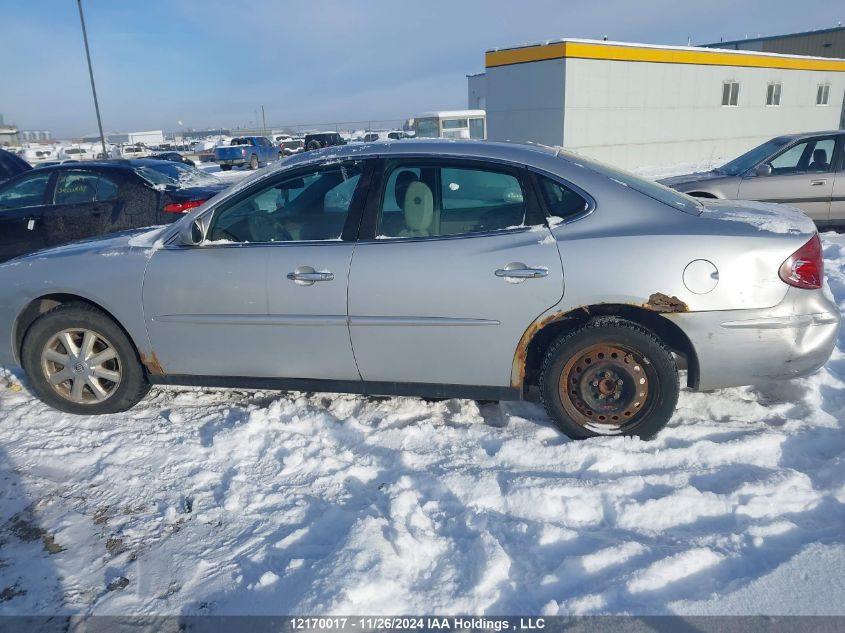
(50, 206)
(11, 165)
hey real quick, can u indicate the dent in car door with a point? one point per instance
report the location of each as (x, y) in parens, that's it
(426, 306)
(801, 177)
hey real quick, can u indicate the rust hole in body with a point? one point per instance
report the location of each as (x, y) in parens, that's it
(151, 363)
(659, 302)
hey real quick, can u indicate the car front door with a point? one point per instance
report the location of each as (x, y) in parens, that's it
(455, 262)
(801, 176)
(265, 294)
(83, 206)
(22, 205)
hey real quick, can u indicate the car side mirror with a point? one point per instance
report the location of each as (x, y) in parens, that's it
(763, 170)
(194, 233)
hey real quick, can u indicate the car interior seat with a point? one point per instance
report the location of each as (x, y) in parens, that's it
(819, 161)
(419, 210)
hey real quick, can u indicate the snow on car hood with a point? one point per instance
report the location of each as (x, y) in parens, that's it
(764, 216)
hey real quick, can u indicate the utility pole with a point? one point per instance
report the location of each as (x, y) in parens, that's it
(91, 74)
(263, 121)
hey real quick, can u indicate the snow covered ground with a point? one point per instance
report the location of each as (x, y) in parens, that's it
(203, 501)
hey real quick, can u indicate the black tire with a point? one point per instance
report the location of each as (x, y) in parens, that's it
(312, 145)
(253, 162)
(225, 167)
(126, 393)
(619, 380)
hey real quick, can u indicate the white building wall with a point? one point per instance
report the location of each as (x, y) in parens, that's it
(477, 92)
(525, 102)
(642, 114)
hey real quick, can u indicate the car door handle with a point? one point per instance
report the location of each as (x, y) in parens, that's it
(521, 271)
(816, 183)
(306, 276)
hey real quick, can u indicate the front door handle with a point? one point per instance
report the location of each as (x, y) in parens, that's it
(519, 271)
(816, 183)
(306, 276)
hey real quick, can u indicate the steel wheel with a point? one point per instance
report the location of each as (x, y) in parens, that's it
(81, 366)
(606, 388)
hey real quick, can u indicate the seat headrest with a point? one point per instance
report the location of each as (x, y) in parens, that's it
(419, 206)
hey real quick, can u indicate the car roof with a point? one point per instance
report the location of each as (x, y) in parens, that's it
(125, 164)
(797, 135)
(512, 152)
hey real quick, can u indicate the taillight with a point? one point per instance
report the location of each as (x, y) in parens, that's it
(182, 207)
(805, 267)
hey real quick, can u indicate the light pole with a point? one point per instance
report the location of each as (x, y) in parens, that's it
(91, 74)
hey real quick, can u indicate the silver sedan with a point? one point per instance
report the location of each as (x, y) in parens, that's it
(432, 268)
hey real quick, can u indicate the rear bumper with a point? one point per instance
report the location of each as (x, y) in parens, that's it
(744, 347)
(230, 161)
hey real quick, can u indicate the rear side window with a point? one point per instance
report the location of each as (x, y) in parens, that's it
(430, 201)
(82, 187)
(561, 201)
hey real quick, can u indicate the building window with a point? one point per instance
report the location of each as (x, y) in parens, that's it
(822, 94)
(730, 93)
(773, 94)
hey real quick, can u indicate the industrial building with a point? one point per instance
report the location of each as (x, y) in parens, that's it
(639, 106)
(8, 134)
(150, 139)
(820, 43)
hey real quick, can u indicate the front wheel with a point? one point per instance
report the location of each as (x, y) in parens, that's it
(609, 377)
(253, 162)
(225, 167)
(80, 361)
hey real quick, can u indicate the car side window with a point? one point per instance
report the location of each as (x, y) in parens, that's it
(432, 201)
(561, 201)
(813, 155)
(81, 187)
(307, 207)
(28, 192)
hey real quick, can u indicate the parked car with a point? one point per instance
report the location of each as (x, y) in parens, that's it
(11, 165)
(291, 145)
(803, 170)
(456, 289)
(75, 153)
(49, 206)
(247, 150)
(129, 151)
(176, 157)
(319, 140)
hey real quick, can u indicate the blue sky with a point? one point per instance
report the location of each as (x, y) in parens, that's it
(214, 62)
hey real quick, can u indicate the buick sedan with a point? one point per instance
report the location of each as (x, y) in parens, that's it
(443, 269)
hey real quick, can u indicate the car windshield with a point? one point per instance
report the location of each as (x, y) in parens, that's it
(170, 174)
(749, 159)
(649, 188)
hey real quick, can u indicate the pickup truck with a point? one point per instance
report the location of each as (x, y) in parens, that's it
(247, 150)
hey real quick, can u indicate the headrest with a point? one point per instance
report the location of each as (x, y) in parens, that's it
(419, 206)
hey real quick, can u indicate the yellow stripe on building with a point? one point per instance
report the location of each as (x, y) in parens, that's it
(705, 57)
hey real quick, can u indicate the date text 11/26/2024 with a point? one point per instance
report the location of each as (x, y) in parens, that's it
(429, 623)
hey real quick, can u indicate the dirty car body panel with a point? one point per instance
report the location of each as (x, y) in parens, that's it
(436, 315)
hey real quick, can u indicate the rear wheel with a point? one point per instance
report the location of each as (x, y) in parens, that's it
(80, 361)
(225, 167)
(609, 377)
(253, 162)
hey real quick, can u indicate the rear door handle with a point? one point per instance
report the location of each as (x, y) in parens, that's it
(306, 276)
(518, 270)
(816, 183)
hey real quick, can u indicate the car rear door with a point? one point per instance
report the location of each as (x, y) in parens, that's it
(22, 205)
(837, 200)
(454, 263)
(265, 296)
(802, 176)
(83, 206)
